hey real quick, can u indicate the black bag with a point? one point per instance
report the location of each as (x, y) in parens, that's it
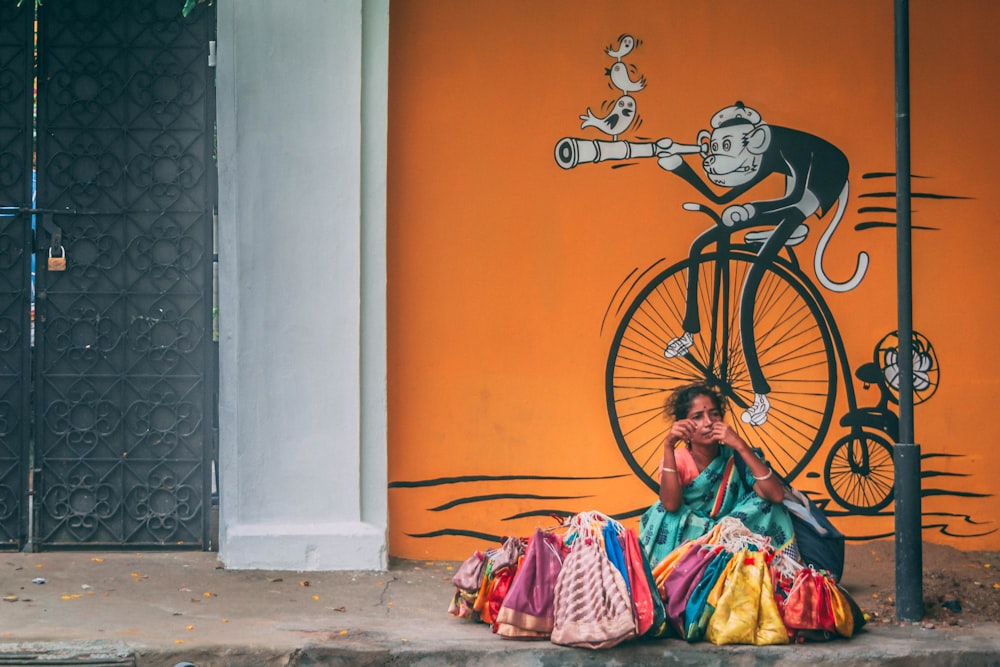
(819, 542)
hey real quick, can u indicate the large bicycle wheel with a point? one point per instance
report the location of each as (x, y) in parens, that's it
(859, 472)
(794, 346)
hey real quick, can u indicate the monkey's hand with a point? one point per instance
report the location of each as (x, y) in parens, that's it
(669, 161)
(737, 213)
(666, 159)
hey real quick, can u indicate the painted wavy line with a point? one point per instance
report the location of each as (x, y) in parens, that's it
(500, 496)
(462, 532)
(567, 513)
(456, 532)
(887, 174)
(944, 529)
(914, 195)
(874, 224)
(957, 494)
(957, 515)
(441, 481)
(937, 473)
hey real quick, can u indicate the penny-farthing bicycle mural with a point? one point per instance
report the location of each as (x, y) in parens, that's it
(740, 313)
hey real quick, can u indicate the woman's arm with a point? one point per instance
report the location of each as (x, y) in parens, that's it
(671, 489)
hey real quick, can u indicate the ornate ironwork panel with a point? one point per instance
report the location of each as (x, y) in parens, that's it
(16, 103)
(124, 354)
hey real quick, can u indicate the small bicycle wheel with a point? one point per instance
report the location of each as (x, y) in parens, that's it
(793, 342)
(859, 472)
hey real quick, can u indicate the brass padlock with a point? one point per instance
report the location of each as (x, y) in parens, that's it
(57, 263)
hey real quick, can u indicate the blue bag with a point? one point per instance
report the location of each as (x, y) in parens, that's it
(613, 549)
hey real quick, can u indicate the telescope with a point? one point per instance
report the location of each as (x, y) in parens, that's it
(571, 151)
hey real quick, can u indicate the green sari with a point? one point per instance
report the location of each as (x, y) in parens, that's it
(703, 506)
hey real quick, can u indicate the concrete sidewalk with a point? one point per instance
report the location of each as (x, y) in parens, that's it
(158, 609)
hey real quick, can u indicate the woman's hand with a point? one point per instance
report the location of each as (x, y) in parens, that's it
(767, 485)
(682, 430)
(724, 434)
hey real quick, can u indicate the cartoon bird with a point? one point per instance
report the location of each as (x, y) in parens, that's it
(625, 45)
(619, 119)
(619, 77)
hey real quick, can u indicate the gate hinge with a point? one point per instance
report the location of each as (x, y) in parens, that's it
(211, 53)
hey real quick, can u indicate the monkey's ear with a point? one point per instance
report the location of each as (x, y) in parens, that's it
(759, 139)
(704, 138)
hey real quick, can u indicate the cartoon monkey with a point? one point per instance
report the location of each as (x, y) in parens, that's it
(740, 152)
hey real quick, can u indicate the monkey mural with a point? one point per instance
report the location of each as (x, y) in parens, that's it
(677, 323)
(740, 152)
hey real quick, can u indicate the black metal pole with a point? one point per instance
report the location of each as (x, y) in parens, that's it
(909, 547)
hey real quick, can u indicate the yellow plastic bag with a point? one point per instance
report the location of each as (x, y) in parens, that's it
(746, 612)
(843, 615)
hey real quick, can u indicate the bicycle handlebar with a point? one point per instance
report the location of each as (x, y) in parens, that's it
(701, 208)
(571, 151)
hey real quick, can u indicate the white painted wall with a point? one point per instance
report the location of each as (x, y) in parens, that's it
(302, 277)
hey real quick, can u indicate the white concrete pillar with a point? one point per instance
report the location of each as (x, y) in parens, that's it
(302, 277)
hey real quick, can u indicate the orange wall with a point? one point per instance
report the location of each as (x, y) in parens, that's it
(502, 266)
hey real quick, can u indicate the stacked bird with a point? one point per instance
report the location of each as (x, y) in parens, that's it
(623, 112)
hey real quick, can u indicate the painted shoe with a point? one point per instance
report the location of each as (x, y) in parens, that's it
(678, 347)
(756, 414)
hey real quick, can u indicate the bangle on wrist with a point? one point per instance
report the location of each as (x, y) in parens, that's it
(770, 472)
(663, 470)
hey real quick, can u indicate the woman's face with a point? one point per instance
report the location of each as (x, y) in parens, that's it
(703, 412)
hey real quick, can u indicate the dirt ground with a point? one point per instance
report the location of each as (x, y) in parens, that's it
(959, 587)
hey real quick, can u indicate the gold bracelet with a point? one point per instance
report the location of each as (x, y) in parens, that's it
(767, 476)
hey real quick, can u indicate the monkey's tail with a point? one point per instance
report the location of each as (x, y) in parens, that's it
(860, 269)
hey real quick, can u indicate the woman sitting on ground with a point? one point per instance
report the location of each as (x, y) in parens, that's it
(702, 483)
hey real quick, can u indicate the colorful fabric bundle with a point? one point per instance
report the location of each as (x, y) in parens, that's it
(746, 611)
(650, 615)
(681, 582)
(594, 588)
(527, 611)
(497, 572)
(816, 607)
(592, 605)
(699, 609)
(467, 581)
(663, 569)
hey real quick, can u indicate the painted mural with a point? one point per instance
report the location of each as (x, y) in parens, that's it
(771, 345)
(745, 242)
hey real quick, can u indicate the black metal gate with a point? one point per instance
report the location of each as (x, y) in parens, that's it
(16, 65)
(118, 426)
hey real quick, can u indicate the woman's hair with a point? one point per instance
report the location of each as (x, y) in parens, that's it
(679, 403)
